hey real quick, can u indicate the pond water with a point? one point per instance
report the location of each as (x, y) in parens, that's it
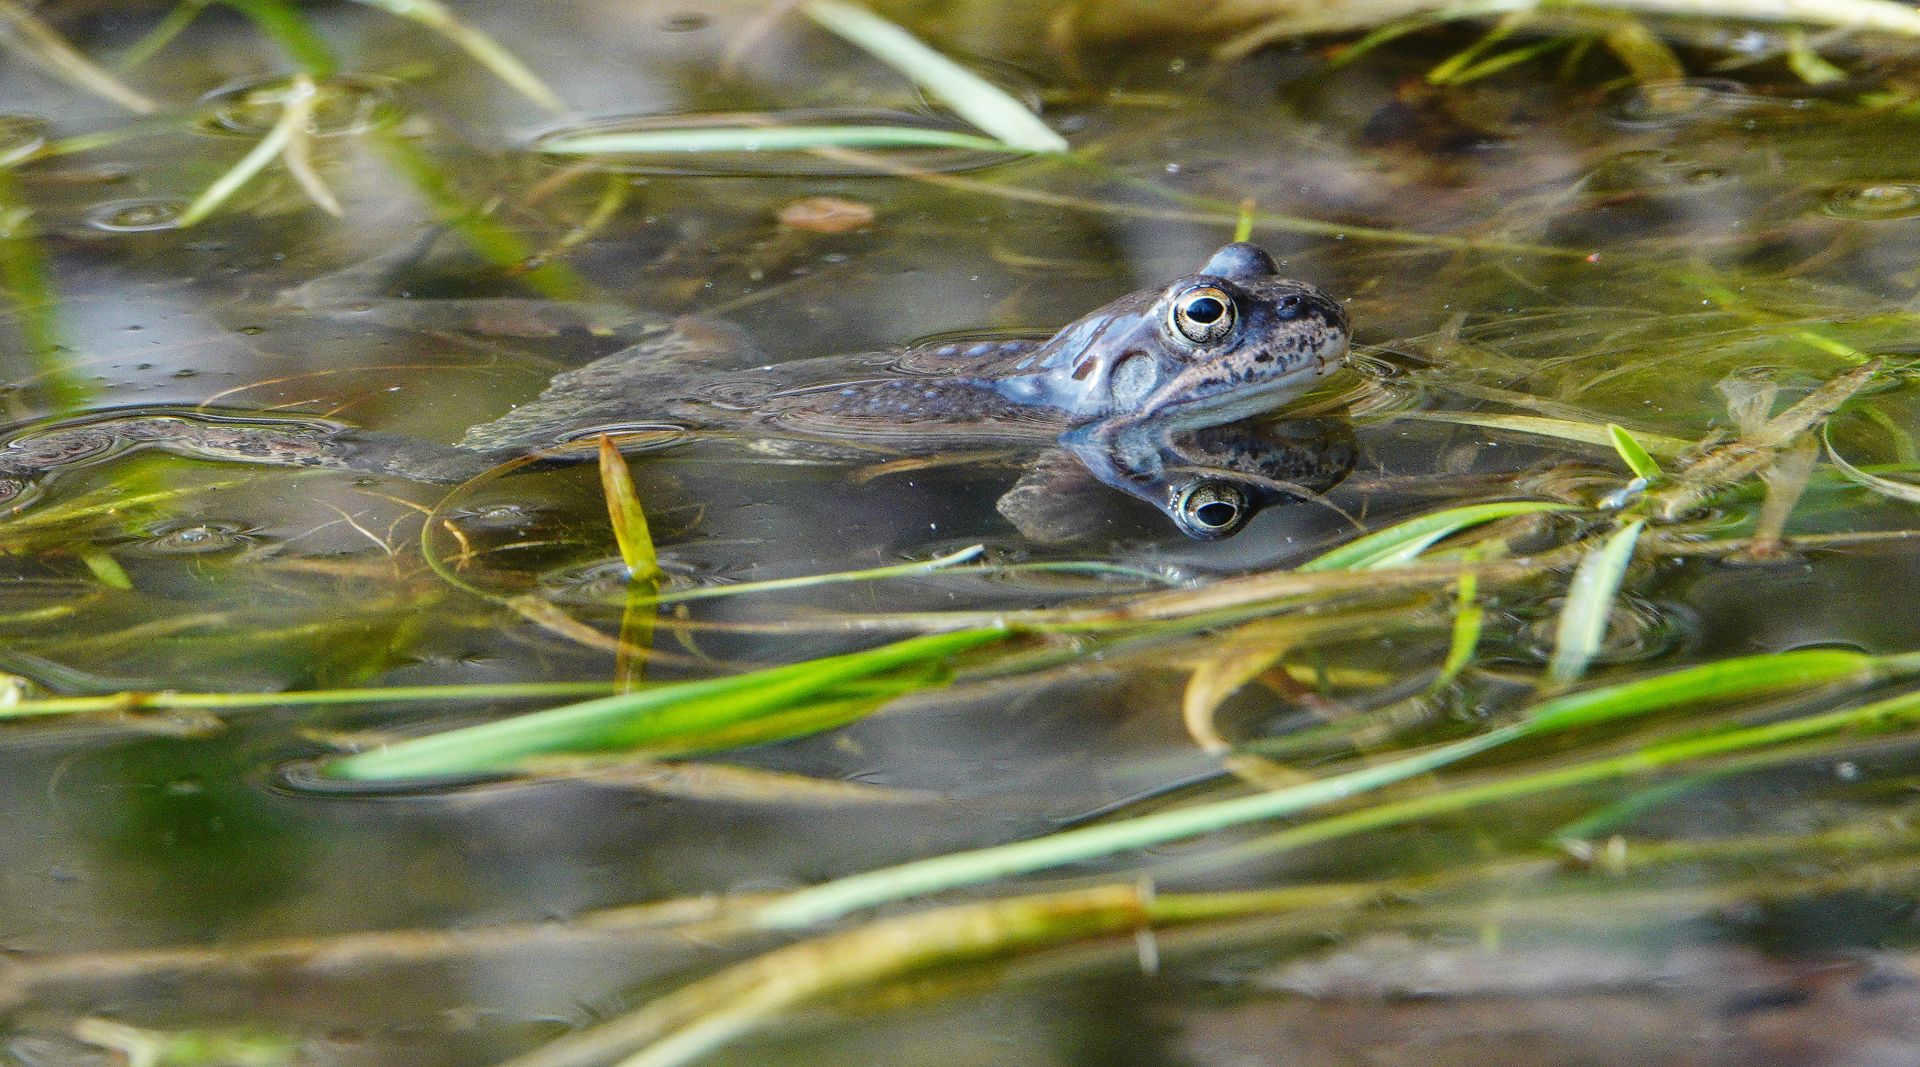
(1528, 254)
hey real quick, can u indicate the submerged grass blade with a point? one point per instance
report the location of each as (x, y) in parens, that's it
(151, 701)
(1243, 226)
(44, 45)
(700, 1017)
(250, 165)
(1894, 713)
(1726, 680)
(808, 581)
(629, 518)
(105, 569)
(487, 236)
(288, 27)
(1398, 545)
(1758, 447)
(659, 714)
(162, 35)
(970, 96)
(1468, 620)
(26, 279)
(298, 155)
(1583, 621)
(769, 139)
(1564, 429)
(1906, 492)
(484, 49)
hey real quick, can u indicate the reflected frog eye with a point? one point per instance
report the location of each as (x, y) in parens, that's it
(1203, 314)
(1211, 509)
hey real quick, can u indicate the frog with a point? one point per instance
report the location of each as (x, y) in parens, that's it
(1112, 389)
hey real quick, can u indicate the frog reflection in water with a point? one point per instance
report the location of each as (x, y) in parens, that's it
(1138, 392)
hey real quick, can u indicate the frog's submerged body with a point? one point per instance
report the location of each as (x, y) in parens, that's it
(1231, 341)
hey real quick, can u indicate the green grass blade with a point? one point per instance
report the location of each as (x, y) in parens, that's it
(629, 518)
(833, 708)
(487, 236)
(244, 171)
(1632, 452)
(1726, 680)
(1564, 429)
(1583, 620)
(161, 36)
(147, 701)
(484, 49)
(287, 27)
(769, 139)
(808, 581)
(1893, 713)
(1807, 63)
(1397, 545)
(1468, 620)
(970, 96)
(651, 715)
(26, 280)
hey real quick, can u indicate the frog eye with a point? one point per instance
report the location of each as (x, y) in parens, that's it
(1203, 314)
(1211, 509)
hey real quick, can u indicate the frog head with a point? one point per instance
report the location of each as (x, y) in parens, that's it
(1233, 340)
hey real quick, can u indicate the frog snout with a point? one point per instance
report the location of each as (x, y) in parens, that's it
(1327, 310)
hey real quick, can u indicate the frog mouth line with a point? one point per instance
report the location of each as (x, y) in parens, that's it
(1250, 399)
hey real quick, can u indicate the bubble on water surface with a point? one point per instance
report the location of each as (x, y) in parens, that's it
(1872, 201)
(343, 104)
(606, 582)
(149, 215)
(1684, 100)
(1637, 631)
(20, 137)
(207, 538)
(499, 516)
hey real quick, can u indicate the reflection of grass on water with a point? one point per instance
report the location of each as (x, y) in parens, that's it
(1554, 734)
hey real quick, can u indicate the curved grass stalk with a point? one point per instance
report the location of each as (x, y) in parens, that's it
(251, 164)
(1726, 680)
(1563, 429)
(1752, 747)
(1400, 544)
(484, 49)
(298, 153)
(770, 139)
(162, 35)
(44, 45)
(972, 97)
(1905, 492)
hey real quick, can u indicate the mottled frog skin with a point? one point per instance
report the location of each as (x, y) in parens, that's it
(1112, 388)
(1147, 356)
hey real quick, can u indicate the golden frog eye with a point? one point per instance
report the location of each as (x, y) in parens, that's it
(1203, 314)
